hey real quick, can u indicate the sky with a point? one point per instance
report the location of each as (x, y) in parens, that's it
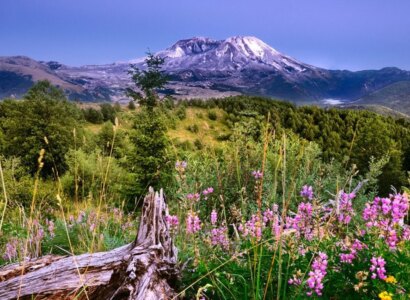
(334, 34)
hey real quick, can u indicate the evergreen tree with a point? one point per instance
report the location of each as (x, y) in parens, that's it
(148, 81)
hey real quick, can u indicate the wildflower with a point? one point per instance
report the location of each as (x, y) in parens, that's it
(81, 216)
(257, 174)
(208, 191)
(193, 197)
(172, 221)
(126, 226)
(345, 207)
(390, 279)
(302, 221)
(296, 279)
(181, 165)
(92, 227)
(385, 296)
(50, 227)
(385, 215)
(218, 237)
(307, 192)
(214, 217)
(193, 223)
(377, 268)
(253, 227)
(353, 251)
(11, 250)
(318, 273)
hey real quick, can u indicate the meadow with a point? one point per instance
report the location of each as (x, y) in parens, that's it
(267, 200)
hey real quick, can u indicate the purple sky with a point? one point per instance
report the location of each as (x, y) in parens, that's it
(337, 34)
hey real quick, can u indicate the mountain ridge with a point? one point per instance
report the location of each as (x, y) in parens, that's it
(201, 67)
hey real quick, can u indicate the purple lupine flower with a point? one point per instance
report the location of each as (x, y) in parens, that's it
(307, 192)
(253, 227)
(295, 280)
(378, 268)
(257, 174)
(318, 273)
(81, 217)
(193, 197)
(172, 221)
(50, 227)
(302, 222)
(385, 215)
(193, 223)
(214, 217)
(345, 207)
(219, 237)
(11, 250)
(353, 251)
(208, 191)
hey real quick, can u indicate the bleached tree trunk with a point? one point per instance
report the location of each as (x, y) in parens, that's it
(144, 269)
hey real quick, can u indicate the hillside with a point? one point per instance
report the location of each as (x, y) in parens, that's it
(395, 96)
(205, 68)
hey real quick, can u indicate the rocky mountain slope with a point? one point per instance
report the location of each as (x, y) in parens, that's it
(202, 67)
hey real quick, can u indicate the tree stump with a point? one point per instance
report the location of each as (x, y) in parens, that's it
(144, 269)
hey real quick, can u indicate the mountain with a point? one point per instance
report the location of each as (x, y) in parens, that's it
(395, 96)
(203, 67)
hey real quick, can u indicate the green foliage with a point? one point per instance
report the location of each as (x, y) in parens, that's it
(88, 172)
(212, 115)
(349, 136)
(93, 115)
(108, 112)
(181, 112)
(193, 128)
(44, 120)
(131, 105)
(150, 162)
(148, 81)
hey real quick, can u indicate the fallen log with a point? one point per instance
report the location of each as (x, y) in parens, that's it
(144, 269)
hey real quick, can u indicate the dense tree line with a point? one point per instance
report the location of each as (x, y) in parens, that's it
(349, 136)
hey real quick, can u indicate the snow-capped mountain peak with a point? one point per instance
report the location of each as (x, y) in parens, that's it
(251, 46)
(234, 53)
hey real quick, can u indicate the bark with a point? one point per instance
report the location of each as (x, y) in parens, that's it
(144, 269)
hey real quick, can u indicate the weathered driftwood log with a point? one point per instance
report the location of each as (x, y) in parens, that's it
(144, 269)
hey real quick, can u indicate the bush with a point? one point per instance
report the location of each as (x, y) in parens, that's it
(198, 144)
(212, 115)
(193, 128)
(108, 112)
(93, 115)
(181, 112)
(43, 120)
(131, 105)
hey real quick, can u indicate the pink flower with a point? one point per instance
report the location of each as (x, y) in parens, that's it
(385, 216)
(377, 268)
(307, 192)
(318, 273)
(353, 251)
(208, 191)
(193, 223)
(50, 227)
(345, 207)
(193, 197)
(219, 237)
(257, 174)
(214, 217)
(172, 221)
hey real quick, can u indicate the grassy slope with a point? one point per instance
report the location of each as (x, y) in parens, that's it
(208, 130)
(395, 96)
